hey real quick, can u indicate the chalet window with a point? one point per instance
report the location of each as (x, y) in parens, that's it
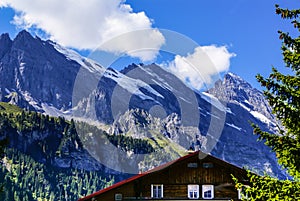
(207, 165)
(118, 197)
(207, 191)
(242, 193)
(193, 191)
(192, 165)
(157, 191)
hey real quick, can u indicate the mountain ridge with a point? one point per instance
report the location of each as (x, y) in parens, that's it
(41, 75)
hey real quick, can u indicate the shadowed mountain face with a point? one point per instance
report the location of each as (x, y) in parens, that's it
(140, 101)
(36, 71)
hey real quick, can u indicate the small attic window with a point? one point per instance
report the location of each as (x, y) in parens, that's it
(118, 197)
(207, 165)
(192, 165)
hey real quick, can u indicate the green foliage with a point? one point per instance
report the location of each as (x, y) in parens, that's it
(121, 141)
(24, 121)
(283, 93)
(3, 144)
(27, 180)
(270, 189)
(138, 146)
(9, 108)
(27, 122)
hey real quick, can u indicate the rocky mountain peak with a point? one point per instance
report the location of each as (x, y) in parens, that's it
(129, 68)
(5, 44)
(23, 35)
(235, 80)
(24, 40)
(32, 68)
(4, 38)
(234, 89)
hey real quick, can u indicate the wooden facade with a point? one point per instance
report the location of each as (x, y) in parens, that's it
(186, 178)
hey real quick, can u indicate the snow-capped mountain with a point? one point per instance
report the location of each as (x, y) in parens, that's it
(141, 101)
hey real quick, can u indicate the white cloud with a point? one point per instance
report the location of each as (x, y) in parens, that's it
(140, 43)
(200, 67)
(86, 24)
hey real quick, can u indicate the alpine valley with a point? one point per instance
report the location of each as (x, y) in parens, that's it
(74, 127)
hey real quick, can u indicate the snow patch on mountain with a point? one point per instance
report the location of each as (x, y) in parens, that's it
(160, 79)
(53, 111)
(235, 77)
(234, 126)
(244, 106)
(7, 90)
(213, 115)
(261, 117)
(228, 110)
(27, 96)
(22, 67)
(133, 86)
(213, 100)
(89, 64)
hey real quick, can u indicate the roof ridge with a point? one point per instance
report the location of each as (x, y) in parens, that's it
(156, 169)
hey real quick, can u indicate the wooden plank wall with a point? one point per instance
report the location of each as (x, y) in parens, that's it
(176, 178)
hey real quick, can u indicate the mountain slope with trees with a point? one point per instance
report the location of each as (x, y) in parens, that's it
(30, 167)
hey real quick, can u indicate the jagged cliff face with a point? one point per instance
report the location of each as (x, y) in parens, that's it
(36, 71)
(233, 89)
(140, 101)
(141, 124)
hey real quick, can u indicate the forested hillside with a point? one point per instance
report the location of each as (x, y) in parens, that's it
(25, 179)
(40, 159)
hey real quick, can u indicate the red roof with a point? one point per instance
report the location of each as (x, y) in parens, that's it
(161, 167)
(112, 187)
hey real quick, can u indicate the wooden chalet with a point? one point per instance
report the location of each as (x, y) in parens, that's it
(190, 177)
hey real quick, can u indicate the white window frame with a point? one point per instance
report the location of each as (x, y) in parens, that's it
(118, 197)
(206, 188)
(194, 188)
(156, 186)
(242, 194)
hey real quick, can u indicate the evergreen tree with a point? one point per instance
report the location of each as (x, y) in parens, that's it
(3, 144)
(283, 94)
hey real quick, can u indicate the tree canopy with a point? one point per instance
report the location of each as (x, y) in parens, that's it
(283, 94)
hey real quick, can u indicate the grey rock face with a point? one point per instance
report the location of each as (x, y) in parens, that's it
(36, 71)
(5, 44)
(233, 89)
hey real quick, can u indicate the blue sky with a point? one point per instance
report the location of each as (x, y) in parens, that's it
(248, 29)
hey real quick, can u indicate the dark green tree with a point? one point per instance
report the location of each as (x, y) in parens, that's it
(3, 144)
(283, 94)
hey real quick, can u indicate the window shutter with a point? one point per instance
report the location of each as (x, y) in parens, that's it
(152, 190)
